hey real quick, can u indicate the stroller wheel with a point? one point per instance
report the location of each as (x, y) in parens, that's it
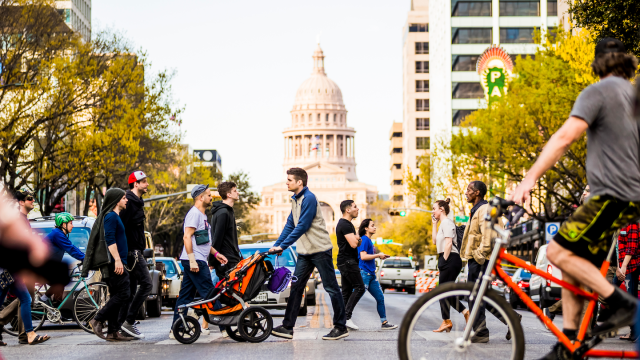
(255, 324)
(234, 333)
(189, 334)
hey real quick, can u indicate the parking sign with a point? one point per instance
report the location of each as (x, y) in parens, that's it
(550, 229)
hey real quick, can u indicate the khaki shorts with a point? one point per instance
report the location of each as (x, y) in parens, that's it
(588, 231)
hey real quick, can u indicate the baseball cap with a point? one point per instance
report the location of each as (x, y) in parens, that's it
(610, 45)
(22, 194)
(198, 190)
(136, 176)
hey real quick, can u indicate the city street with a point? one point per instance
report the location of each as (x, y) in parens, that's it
(369, 342)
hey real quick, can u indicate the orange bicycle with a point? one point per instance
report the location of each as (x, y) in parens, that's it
(418, 341)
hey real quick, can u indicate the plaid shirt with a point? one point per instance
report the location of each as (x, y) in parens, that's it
(628, 245)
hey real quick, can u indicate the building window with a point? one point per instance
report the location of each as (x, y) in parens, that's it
(397, 134)
(397, 197)
(459, 116)
(397, 166)
(467, 90)
(422, 48)
(326, 117)
(334, 117)
(422, 104)
(516, 35)
(519, 8)
(422, 124)
(422, 143)
(310, 117)
(419, 28)
(472, 8)
(397, 182)
(552, 8)
(464, 62)
(422, 67)
(422, 85)
(397, 150)
(471, 36)
(319, 118)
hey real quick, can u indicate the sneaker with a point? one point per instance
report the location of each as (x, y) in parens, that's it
(204, 331)
(352, 325)
(282, 332)
(618, 314)
(171, 335)
(336, 334)
(224, 333)
(387, 326)
(136, 323)
(132, 330)
(558, 352)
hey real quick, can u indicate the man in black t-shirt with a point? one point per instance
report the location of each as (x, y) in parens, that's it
(348, 242)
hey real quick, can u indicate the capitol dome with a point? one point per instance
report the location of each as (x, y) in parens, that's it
(318, 89)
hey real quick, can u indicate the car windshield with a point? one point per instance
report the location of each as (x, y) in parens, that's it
(286, 259)
(79, 236)
(170, 266)
(397, 263)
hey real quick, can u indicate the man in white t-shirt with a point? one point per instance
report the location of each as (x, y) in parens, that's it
(196, 250)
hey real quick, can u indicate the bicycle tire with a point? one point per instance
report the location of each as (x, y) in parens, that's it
(459, 289)
(83, 308)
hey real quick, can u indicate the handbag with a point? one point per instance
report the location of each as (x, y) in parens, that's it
(5, 280)
(280, 279)
(202, 236)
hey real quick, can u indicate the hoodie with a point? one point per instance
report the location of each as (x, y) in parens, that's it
(224, 236)
(133, 220)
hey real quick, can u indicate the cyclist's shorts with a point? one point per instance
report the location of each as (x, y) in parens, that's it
(589, 230)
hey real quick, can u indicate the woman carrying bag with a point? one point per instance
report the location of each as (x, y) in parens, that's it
(449, 262)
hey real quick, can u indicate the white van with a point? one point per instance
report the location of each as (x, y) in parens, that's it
(541, 290)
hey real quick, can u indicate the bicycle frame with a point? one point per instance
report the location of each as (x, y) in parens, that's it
(80, 280)
(498, 254)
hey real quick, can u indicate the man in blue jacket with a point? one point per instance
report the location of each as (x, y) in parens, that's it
(58, 238)
(306, 226)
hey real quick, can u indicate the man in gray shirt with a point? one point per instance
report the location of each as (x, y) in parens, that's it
(604, 111)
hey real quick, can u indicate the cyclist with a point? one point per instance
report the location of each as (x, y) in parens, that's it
(58, 238)
(604, 111)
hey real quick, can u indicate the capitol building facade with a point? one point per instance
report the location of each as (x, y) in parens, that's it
(320, 142)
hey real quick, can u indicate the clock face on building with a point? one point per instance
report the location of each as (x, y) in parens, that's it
(207, 156)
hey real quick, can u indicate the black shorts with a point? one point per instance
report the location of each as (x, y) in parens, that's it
(589, 231)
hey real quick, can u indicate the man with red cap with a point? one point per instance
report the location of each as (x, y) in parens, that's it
(133, 219)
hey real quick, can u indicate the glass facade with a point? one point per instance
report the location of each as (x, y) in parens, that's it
(519, 8)
(464, 62)
(459, 115)
(471, 8)
(516, 35)
(471, 35)
(467, 90)
(552, 8)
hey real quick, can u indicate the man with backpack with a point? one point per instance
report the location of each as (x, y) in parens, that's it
(476, 248)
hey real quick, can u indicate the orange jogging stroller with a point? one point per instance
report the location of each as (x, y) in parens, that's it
(239, 285)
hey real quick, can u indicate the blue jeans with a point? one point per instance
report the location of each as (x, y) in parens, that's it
(631, 283)
(323, 261)
(191, 282)
(373, 286)
(20, 291)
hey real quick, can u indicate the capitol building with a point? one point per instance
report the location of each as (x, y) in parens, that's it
(320, 142)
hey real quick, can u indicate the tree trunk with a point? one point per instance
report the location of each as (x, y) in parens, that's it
(87, 199)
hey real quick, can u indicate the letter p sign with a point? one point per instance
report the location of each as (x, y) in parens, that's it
(495, 75)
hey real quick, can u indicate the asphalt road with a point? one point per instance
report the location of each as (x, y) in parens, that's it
(69, 342)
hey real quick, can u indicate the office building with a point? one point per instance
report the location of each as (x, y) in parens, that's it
(77, 15)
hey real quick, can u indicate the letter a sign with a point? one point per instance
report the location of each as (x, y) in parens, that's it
(494, 67)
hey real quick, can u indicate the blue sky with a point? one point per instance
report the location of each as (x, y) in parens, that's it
(238, 65)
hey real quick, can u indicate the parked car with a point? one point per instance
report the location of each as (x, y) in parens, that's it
(521, 277)
(398, 273)
(498, 285)
(464, 274)
(172, 281)
(543, 291)
(266, 298)
(311, 283)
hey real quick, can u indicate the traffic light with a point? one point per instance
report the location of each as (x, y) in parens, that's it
(403, 213)
(397, 212)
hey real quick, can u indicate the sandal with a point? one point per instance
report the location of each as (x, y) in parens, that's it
(39, 339)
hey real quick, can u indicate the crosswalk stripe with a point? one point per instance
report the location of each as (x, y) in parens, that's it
(328, 323)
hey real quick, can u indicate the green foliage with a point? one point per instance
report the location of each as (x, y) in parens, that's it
(619, 19)
(413, 231)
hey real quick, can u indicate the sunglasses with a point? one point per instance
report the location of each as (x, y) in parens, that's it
(29, 198)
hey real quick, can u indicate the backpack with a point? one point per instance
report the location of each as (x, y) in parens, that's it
(459, 235)
(279, 279)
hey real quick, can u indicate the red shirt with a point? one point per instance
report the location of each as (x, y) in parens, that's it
(628, 245)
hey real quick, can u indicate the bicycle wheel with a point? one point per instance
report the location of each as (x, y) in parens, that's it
(84, 306)
(417, 341)
(12, 327)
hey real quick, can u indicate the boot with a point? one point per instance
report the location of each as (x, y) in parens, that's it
(465, 313)
(445, 326)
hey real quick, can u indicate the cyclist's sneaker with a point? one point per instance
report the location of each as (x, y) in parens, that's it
(336, 334)
(618, 315)
(387, 326)
(558, 352)
(282, 332)
(508, 336)
(132, 330)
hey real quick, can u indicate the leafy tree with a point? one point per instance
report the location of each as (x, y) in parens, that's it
(413, 231)
(619, 19)
(504, 140)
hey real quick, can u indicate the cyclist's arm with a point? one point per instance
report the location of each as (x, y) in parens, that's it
(72, 250)
(570, 131)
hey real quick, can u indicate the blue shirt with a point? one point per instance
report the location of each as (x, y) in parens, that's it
(60, 244)
(367, 246)
(291, 232)
(114, 234)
